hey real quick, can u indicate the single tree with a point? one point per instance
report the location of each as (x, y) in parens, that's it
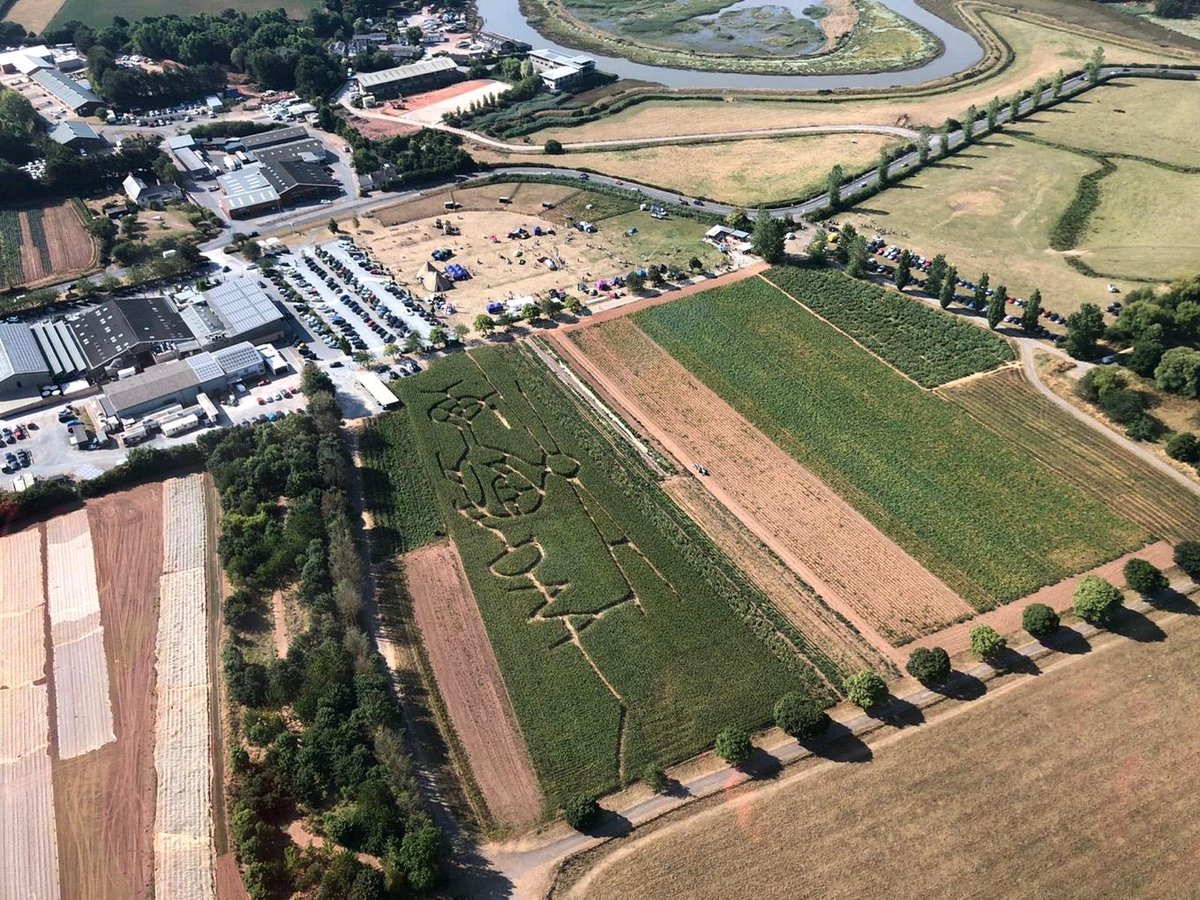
(847, 237)
(1147, 351)
(856, 263)
(818, 246)
(1144, 577)
(485, 324)
(1096, 600)
(460, 331)
(865, 689)
(987, 644)
(414, 35)
(530, 312)
(766, 241)
(655, 778)
(333, 226)
(968, 124)
(438, 336)
(1095, 61)
(635, 281)
(992, 113)
(923, 140)
(944, 137)
(580, 812)
(549, 306)
(935, 275)
(881, 168)
(574, 305)
(1084, 328)
(1056, 84)
(997, 307)
(1014, 107)
(929, 665)
(553, 148)
(800, 715)
(506, 320)
(1031, 316)
(833, 187)
(1187, 557)
(981, 291)
(738, 220)
(903, 273)
(1178, 372)
(1184, 447)
(1039, 92)
(1039, 620)
(948, 292)
(252, 250)
(733, 745)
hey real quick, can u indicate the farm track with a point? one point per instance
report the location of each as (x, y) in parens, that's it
(1008, 404)
(810, 527)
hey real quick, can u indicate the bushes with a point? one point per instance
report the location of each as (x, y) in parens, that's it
(144, 464)
(655, 778)
(865, 689)
(1187, 557)
(580, 812)
(1184, 447)
(1039, 620)
(929, 665)
(1144, 577)
(800, 715)
(987, 644)
(733, 745)
(1096, 601)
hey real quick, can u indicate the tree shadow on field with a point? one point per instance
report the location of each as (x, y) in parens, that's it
(761, 765)
(1171, 600)
(897, 712)
(1135, 626)
(1009, 660)
(869, 211)
(839, 744)
(1067, 640)
(956, 166)
(961, 686)
(609, 824)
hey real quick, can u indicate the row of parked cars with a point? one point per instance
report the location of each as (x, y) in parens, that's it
(369, 263)
(16, 461)
(364, 296)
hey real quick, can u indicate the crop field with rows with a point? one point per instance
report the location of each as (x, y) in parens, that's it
(1008, 404)
(623, 635)
(396, 487)
(929, 347)
(966, 502)
(10, 248)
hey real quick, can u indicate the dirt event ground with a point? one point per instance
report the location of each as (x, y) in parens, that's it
(470, 684)
(104, 800)
(1019, 793)
(404, 236)
(745, 172)
(1039, 51)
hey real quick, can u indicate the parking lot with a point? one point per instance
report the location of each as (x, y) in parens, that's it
(343, 293)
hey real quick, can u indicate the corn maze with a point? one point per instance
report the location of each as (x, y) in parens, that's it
(183, 838)
(623, 635)
(29, 865)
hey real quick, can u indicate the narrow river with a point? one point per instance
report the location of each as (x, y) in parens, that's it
(961, 52)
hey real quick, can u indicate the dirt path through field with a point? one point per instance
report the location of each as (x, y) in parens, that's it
(469, 681)
(279, 624)
(806, 524)
(104, 800)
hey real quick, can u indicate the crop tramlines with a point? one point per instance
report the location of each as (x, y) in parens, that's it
(1007, 404)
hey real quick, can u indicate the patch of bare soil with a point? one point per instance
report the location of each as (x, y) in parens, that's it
(469, 681)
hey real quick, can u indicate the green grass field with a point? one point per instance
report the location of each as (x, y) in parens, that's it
(612, 617)
(929, 347)
(396, 487)
(99, 14)
(973, 507)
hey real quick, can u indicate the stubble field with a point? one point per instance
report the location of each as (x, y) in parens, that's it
(1019, 794)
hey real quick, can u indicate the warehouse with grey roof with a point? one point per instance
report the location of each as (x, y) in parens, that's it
(22, 366)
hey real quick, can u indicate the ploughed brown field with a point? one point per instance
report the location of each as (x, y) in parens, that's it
(1076, 782)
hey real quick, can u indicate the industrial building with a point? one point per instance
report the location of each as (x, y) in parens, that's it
(181, 381)
(77, 98)
(273, 170)
(188, 159)
(560, 71)
(129, 332)
(22, 367)
(499, 43)
(76, 134)
(238, 310)
(426, 75)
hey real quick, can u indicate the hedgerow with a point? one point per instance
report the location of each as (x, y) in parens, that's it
(929, 346)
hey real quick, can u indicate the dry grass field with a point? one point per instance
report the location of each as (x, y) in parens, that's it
(35, 15)
(1039, 52)
(1075, 783)
(745, 173)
